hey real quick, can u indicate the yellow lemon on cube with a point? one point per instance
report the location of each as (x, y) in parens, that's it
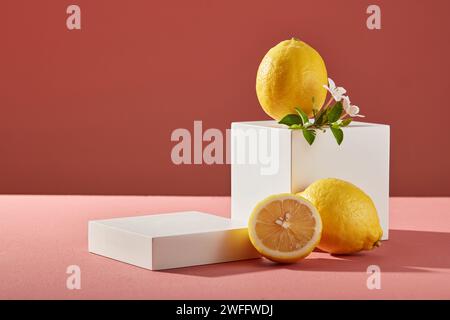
(291, 74)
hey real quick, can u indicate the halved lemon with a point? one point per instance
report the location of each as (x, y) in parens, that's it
(285, 227)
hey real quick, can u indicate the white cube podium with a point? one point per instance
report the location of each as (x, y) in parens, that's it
(171, 240)
(269, 158)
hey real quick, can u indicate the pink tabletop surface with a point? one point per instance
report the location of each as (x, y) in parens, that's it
(41, 235)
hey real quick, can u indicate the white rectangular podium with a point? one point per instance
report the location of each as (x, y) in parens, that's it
(171, 240)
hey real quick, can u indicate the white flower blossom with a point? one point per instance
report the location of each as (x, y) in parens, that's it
(336, 92)
(351, 110)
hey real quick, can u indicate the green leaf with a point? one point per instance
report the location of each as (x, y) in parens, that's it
(335, 112)
(291, 119)
(321, 117)
(346, 122)
(338, 134)
(302, 115)
(335, 125)
(309, 135)
(295, 126)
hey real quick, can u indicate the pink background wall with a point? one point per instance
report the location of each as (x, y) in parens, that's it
(91, 111)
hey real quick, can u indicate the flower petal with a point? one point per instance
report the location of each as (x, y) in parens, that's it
(346, 102)
(331, 84)
(340, 91)
(336, 95)
(329, 90)
(353, 112)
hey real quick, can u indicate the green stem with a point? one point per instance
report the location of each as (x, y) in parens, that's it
(329, 102)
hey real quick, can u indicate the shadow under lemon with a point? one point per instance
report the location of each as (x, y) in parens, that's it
(405, 251)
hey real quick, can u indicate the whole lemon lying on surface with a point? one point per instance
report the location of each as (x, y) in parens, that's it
(291, 74)
(349, 217)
